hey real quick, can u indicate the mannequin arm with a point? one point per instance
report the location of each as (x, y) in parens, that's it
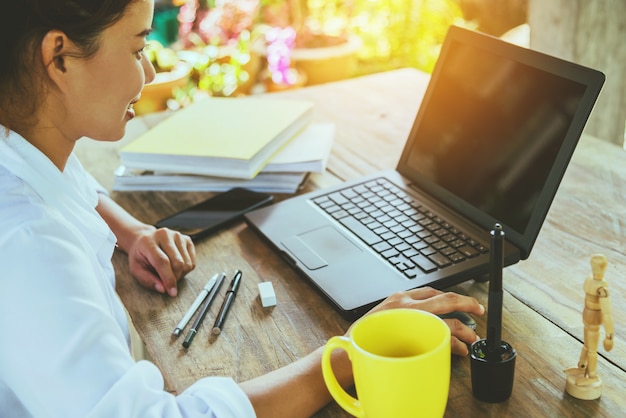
(607, 317)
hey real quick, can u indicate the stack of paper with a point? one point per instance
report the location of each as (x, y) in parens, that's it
(263, 144)
(263, 182)
(285, 173)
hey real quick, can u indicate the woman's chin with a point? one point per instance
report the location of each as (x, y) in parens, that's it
(110, 136)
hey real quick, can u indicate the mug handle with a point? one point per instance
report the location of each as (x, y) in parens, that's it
(347, 402)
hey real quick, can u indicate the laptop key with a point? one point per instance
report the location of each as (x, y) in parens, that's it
(360, 230)
(419, 245)
(388, 236)
(457, 243)
(401, 262)
(410, 252)
(448, 251)
(387, 219)
(325, 203)
(380, 231)
(391, 224)
(372, 225)
(439, 245)
(338, 198)
(390, 253)
(412, 273)
(339, 214)
(456, 257)
(349, 193)
(468, 251)
(395, 240)
(332, 208)
(424, 263)
(381, 246)
(403, 246)
(440, 259)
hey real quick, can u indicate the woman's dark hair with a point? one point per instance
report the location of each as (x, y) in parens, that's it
(23, 25)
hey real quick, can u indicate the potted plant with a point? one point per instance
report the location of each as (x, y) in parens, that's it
(281, 74)
(216, 37)
(342, 38)
(324, 49)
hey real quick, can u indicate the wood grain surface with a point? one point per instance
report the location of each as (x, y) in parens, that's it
(373, 115)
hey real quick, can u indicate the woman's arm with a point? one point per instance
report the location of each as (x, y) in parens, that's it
(158, 258)
(298, 389)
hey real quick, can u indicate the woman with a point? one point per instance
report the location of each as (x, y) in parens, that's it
(74, 68)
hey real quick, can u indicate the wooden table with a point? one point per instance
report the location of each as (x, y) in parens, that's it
(373, 115)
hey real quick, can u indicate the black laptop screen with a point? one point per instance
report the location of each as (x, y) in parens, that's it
(492, 130)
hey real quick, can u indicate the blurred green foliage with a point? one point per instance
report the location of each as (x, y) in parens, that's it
(394, 33)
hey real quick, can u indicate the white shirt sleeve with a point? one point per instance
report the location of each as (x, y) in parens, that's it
(63, 352)
(215, 397)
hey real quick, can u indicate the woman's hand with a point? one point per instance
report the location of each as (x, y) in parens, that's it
(158, 258)
(438, 302)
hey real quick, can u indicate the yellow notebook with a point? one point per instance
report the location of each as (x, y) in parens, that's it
(227, 137)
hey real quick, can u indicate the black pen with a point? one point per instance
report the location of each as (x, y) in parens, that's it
(228, 301)
(494, 312)
(203, 311)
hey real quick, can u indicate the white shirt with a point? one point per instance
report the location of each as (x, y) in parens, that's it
(64, 344)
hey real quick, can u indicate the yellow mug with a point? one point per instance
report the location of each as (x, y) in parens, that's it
(400, 362)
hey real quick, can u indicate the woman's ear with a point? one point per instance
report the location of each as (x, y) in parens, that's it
(54, 48)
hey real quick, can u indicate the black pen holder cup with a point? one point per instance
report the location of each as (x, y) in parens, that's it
(492, 372)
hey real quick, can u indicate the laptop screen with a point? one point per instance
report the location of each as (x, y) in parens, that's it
(490, 130)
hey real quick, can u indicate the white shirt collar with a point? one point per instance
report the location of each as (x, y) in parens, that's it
(36, 169)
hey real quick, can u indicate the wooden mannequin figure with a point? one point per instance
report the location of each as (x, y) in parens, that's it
(583, 381)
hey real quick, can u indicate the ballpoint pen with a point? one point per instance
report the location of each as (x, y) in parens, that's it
(203, 311)
(496, 264)
(493, 359)
(194, 306)
(228, 301)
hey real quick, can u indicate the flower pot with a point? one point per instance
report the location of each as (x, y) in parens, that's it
(272, 87)
(155, 95)
(323, 64)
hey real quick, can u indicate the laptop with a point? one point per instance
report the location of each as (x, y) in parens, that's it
(490, 143)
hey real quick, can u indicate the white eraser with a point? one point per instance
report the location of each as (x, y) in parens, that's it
(266, 292)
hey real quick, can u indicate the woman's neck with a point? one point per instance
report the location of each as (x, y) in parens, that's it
(51, 141)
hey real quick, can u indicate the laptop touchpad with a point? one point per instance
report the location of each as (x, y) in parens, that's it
(320, 247)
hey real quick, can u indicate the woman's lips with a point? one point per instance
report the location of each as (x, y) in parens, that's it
(130, 111)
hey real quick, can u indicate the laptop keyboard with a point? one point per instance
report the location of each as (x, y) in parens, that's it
(408, 235)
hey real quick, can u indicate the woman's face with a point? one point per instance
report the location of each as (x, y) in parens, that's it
(104, 87)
